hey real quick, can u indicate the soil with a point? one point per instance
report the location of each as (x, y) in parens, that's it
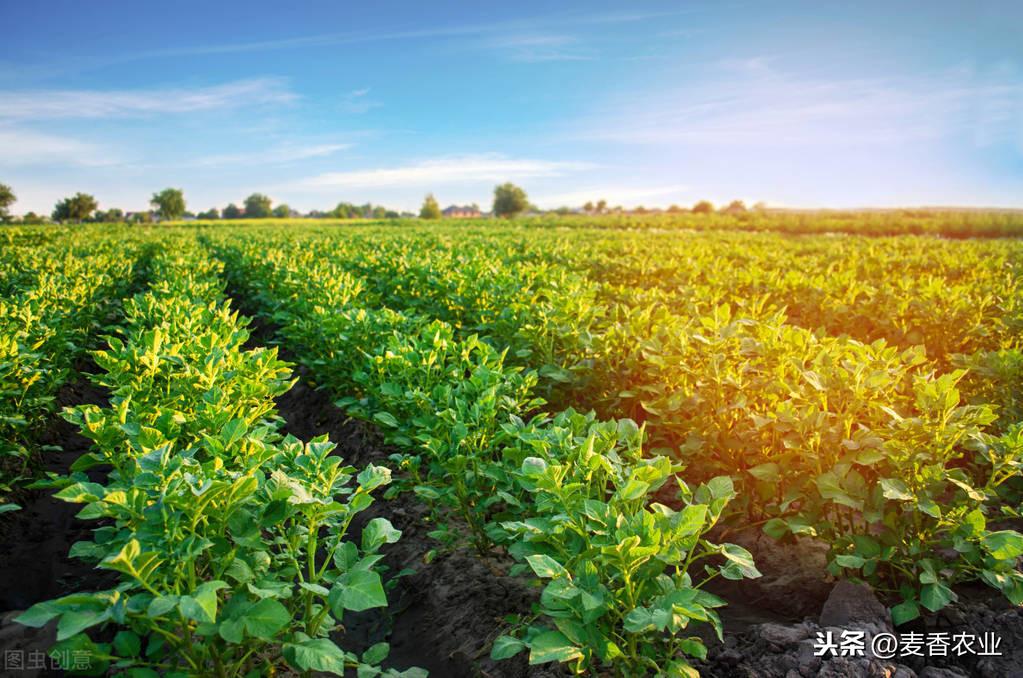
(444, 615)
(35, 541)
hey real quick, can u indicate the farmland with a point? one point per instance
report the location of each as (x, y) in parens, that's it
(597, 446)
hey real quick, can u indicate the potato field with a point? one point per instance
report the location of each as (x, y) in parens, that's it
(568, 447)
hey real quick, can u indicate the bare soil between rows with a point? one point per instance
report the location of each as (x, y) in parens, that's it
(35, 541)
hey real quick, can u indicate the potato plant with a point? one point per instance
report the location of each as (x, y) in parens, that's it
(58, 299)
(229, 540)
(624, 572)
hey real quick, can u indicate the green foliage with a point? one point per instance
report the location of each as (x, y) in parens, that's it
(55, 300)
(257, 206)
(509, 200)
(621, 566)
(76, 208)
(430, 208)
(230, 541)
(170, 202)
(7, 198)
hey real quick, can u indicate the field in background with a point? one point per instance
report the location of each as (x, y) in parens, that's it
(542, 384)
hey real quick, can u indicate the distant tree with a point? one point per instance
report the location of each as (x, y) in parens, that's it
(33, 218)
(703, 207)
(760, 206)
(7, 198)
(588, 206)
(209, 215)
(142, 218)
(258, 206)
(735, 207)
(346, 210)
(111, 216)
(674, 209)
(430, 208)
(639, 209)
(170, 203)
(391, 214)
(509, 200)
(601, 206)
(76, 208)
(282, 211)
(232, 211)
(379, 212)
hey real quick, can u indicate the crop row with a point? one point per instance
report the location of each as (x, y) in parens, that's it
(54, 303)
(229, 541)
(864, 445)
(569, 496)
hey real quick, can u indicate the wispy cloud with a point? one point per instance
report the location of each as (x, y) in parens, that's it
(23, 147)
(276, 155)
(538, 47)
(555, 21)
(70, 103)
(755, 103)
(464, 169)
(358, 102)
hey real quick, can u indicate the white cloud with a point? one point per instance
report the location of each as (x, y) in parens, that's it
(465, 169)
(752, 103)
(357, 102)
(66, 103)
(276, 155)
(26, 148)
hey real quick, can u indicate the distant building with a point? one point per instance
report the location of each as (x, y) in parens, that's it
(457, 212)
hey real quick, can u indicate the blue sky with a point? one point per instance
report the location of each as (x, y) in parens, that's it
(793, 103)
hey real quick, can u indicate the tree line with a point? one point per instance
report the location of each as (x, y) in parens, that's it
(169, 205)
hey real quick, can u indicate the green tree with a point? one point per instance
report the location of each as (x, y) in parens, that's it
(588, 207)
(33, 218)
(601, 206)
(232, 211)
(509, 200)
(674, 209)
(735, 207)
(379, 212)
(703, 207)
(209, 215)
(258, 206)
(76, 208)
(282, 211)
(113, 215)
(7, 199)
(430, 208)
(346, 210)
(170, 203)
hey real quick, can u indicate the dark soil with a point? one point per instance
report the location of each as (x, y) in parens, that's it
(35, 541)
(444, 615)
